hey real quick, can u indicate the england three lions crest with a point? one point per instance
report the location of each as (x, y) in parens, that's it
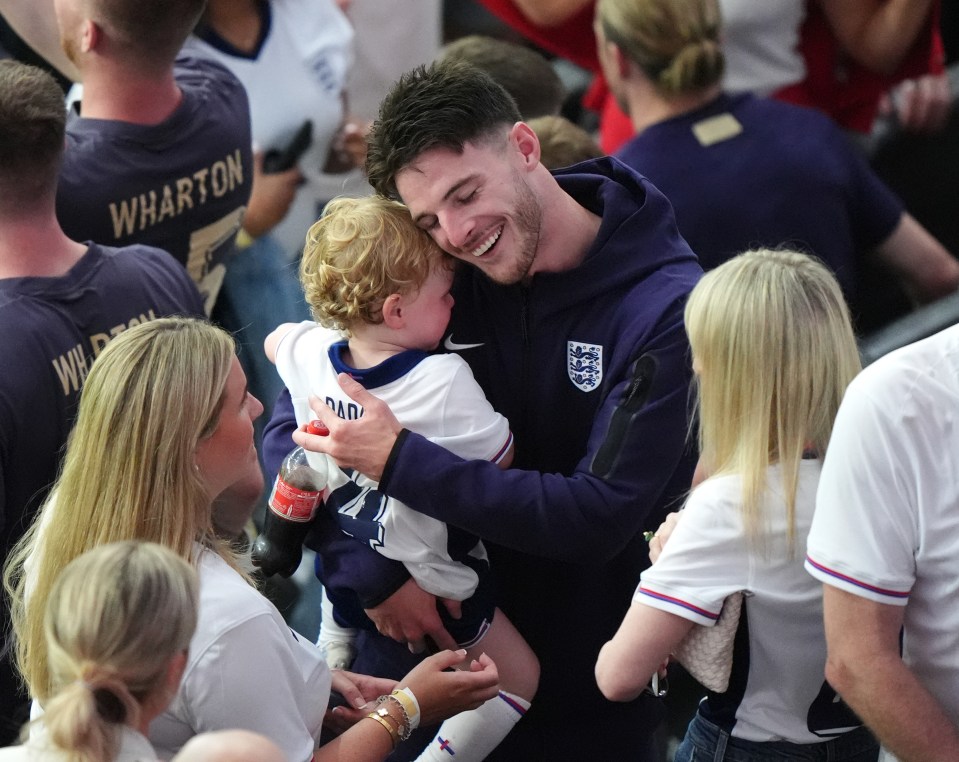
(584, 364)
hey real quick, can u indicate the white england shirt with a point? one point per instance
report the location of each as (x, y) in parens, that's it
(435, 396)
(777, 689)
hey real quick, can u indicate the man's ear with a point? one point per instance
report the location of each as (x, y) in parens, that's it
(393, 311)
(90, 35)
(527, 142)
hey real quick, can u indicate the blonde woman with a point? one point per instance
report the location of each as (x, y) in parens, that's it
(165, 425)
(743, 171)
(773, 352)
(113, 663)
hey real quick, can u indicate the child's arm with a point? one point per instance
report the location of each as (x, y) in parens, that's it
(273, 340)
(643, 642)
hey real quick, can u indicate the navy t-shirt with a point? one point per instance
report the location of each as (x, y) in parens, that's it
(181, 185)
(51, 329)
(744, 172)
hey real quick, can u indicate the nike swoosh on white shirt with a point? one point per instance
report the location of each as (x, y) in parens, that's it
(452, 346)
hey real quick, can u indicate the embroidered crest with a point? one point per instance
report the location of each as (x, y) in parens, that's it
(584, 364)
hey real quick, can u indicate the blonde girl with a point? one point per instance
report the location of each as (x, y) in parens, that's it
(114, 664)
(773, 351)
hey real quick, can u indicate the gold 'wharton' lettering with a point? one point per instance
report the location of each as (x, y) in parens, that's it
(72, 366)
(144, 210)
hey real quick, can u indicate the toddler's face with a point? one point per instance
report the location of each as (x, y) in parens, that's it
(428, 310)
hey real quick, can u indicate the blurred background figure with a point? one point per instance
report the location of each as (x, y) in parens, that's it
(743, 171)
(561, 142)
(524, 73)
(293, 58)
(158, 148)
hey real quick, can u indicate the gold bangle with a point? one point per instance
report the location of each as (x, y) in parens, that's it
(394, 735)
(403, 725)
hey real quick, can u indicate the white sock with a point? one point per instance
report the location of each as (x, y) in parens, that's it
(336, 642)
(470, 736)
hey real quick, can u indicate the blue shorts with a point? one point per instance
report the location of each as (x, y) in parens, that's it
(477, 610)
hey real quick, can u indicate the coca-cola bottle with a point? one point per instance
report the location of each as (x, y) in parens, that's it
(297, 492)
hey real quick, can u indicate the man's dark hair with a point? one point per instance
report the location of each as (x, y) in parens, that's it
(526, 74)
(32, 126)
(444, 105)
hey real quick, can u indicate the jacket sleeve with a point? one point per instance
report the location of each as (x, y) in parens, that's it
(278, 433)
(636, 461)
(345, 564)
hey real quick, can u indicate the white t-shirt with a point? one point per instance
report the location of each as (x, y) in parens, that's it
(246, 669)
(761, 44)
(133, 748)
(887, 523)
(299, 73)
(435, 396)
(707, 558)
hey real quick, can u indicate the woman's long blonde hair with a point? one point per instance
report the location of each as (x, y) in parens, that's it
(129, 471)
(115, 618)
(774, 351)
(676, 43)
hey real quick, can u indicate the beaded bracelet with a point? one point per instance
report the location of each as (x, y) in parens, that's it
(394, 732)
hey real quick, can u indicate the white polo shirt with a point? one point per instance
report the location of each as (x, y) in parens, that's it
(887, 518)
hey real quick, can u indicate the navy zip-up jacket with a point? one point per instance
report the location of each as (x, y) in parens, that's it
(591, 366)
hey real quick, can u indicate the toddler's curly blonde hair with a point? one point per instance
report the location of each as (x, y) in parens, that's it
(358, 253)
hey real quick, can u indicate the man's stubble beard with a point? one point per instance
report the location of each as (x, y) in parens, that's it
(528, 220)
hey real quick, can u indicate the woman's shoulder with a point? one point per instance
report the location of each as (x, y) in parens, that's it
(226, 598)
(717, 492)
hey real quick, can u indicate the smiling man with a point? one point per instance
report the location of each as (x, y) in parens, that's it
(570, 316)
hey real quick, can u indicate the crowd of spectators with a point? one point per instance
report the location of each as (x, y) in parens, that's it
(565, 171)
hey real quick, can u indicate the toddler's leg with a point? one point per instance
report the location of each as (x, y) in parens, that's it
(336, 642)
(471, 736)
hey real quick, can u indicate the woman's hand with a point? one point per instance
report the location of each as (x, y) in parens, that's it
(659, 538)
(359, 692)
(442, 692)
(348, 147)
(920, 105)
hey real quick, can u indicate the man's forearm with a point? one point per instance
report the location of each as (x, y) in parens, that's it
(892, 702)
(864, 666)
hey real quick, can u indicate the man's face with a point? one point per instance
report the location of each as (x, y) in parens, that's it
(478, 206)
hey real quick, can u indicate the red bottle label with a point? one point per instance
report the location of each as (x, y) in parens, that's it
(293, 503)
